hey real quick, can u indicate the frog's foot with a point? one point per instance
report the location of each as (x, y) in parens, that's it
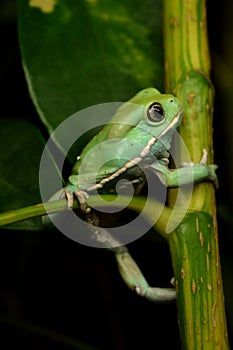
(70, 199)
(211, 169)
(211, 175)
(202, 162)
(80, 195)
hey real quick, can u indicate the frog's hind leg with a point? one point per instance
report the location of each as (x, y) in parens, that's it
(130, 271)
(135, 280)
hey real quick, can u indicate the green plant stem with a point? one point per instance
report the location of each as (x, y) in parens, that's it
(194, 244)
(32, 211)
(137, 203)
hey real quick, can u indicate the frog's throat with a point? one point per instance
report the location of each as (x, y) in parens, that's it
(135, 161)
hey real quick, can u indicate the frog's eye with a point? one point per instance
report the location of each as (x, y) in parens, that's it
(155, 112)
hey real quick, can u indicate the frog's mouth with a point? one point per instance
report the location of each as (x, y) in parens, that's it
(175, 122)
(149, 147)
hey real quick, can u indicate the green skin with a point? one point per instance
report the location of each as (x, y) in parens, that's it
(143, 134)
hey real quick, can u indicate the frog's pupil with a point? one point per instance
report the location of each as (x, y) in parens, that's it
(155, 112)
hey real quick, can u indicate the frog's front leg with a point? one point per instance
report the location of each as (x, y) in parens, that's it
(190, 173)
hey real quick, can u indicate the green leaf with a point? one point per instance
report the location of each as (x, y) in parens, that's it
(21, 147)
(79, 53)
(75, 54)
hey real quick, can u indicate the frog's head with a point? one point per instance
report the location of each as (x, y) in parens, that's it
(148, 114)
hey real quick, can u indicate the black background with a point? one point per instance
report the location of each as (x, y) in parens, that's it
(54, 293)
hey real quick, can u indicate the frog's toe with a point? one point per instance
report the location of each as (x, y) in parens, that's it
(70, 199)
(204, 157)
(82, 196)
(212, 175)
